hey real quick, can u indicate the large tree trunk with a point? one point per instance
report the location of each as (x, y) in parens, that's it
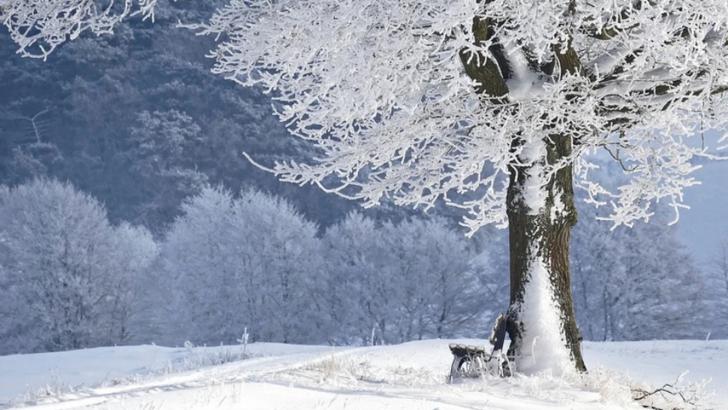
(541, 213)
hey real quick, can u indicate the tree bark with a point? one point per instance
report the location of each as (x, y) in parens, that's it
(542, 237)
(539, 241)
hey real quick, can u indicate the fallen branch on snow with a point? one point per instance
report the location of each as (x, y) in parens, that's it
(667, 397)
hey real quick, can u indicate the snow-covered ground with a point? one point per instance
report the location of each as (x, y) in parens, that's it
(407, 376)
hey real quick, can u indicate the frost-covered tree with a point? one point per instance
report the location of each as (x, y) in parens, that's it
(134, 253)
(355, 253)
(39, 26)
(716, 277)
(66, 272)
(488, 105)
(393, 282)
(235, 262)
(635, 284)
(720, 263)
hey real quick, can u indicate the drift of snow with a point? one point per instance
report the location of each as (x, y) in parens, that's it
(406, 376)
(544, 346)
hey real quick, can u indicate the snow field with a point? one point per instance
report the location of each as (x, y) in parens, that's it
(407, 376)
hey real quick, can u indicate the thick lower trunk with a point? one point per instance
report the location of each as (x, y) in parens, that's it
(541, 213)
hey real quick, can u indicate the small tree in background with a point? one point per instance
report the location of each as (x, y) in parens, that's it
(636, 284)
(235, 262)
(717, 292)
(135, 252)
(65, 270)
(401, 281)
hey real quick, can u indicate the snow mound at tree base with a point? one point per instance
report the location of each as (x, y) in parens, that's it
(406, 376)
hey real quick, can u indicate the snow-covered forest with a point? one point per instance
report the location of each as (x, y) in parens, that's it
(358, 175)
(234, 260)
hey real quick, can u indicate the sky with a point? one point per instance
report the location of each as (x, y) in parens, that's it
(705, 224)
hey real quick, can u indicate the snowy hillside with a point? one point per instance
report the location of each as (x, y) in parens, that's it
(406, 376)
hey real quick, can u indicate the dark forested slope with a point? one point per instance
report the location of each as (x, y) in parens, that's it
(137, 119)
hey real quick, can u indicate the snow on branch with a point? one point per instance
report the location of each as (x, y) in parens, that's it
(677, 395)
(39, 26)
(418, 101)
(641, 396)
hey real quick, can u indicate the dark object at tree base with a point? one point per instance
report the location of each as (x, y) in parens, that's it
(474, 361)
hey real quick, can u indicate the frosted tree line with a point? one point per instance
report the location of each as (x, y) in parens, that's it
(231, 261)
(69, 279)
(252, 261)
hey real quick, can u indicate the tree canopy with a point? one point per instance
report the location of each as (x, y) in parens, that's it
(422, 100)
(384, 90)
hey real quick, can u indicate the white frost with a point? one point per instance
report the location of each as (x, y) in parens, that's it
(558, 209)
(534, 194)
(39, 26)
(525, 84)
